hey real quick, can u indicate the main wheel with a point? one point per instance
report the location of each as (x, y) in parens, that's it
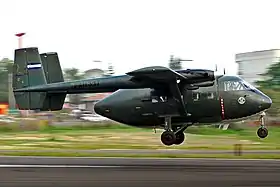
(262, 132)
(168, 138)
(180, 137)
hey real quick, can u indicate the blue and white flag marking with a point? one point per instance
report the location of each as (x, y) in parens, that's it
(34, 66)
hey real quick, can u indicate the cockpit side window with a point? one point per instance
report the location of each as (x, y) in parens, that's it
(195, 96)
(234, 86)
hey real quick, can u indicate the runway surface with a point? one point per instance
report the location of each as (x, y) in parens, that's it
(48, 171)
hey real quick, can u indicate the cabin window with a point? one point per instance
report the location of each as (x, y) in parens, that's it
(163, 98)
(210, 95)
(203, 95)
(155, 99)
(195, 96)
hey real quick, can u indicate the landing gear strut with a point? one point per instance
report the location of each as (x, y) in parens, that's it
(262, 131)
(170, 136)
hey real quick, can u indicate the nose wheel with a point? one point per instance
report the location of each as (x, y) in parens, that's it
(262, 131)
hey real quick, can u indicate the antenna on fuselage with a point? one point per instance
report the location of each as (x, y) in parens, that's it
(224, 71)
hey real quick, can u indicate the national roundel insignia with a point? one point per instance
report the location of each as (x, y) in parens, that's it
(241, 100)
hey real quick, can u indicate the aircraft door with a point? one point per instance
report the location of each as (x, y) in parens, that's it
(160, 106)
(203, 102)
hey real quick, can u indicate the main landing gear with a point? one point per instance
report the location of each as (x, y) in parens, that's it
(173, 136)
(262, 131)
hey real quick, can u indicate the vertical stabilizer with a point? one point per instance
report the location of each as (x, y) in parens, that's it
(32, 69)
(28, 71)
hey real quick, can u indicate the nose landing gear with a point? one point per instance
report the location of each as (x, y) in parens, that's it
(262, 131)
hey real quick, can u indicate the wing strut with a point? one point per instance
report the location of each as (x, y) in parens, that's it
(178, 98)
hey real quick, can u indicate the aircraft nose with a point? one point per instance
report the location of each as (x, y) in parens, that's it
(99, 108)
(266, 102)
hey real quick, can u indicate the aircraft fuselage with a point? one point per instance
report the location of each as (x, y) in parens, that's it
(229, 98)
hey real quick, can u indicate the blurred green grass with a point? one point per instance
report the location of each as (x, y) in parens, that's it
(85, 135)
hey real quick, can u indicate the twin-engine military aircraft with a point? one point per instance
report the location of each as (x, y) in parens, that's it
(149, 97)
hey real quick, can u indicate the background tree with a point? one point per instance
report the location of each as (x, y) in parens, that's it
(6, 66)
(271, 87)
(72, 74)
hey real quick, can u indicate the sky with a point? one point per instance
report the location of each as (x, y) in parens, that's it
(132, 34)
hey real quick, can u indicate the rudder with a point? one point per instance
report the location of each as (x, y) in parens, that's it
(52, 68)
(53, 73)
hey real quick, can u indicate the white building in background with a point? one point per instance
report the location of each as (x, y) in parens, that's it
(252, 64)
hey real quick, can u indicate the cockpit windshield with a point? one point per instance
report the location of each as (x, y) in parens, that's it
(248, 85)
(236, 85)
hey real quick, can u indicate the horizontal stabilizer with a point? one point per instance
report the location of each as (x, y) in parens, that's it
(53, 102)
(42, 101)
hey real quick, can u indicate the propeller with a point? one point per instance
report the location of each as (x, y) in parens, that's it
(219, 73)
(216, 69)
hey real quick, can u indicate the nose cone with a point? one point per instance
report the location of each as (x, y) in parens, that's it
(100, 108)
(266, 102)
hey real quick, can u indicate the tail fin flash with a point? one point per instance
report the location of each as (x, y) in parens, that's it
(52, 67)
(30, 70)
(27, 68)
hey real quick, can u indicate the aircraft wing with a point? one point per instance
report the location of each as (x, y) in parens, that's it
(157, 73)
(164, 74)
(169, 77)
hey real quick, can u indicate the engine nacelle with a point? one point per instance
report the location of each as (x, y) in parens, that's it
(197, 75)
